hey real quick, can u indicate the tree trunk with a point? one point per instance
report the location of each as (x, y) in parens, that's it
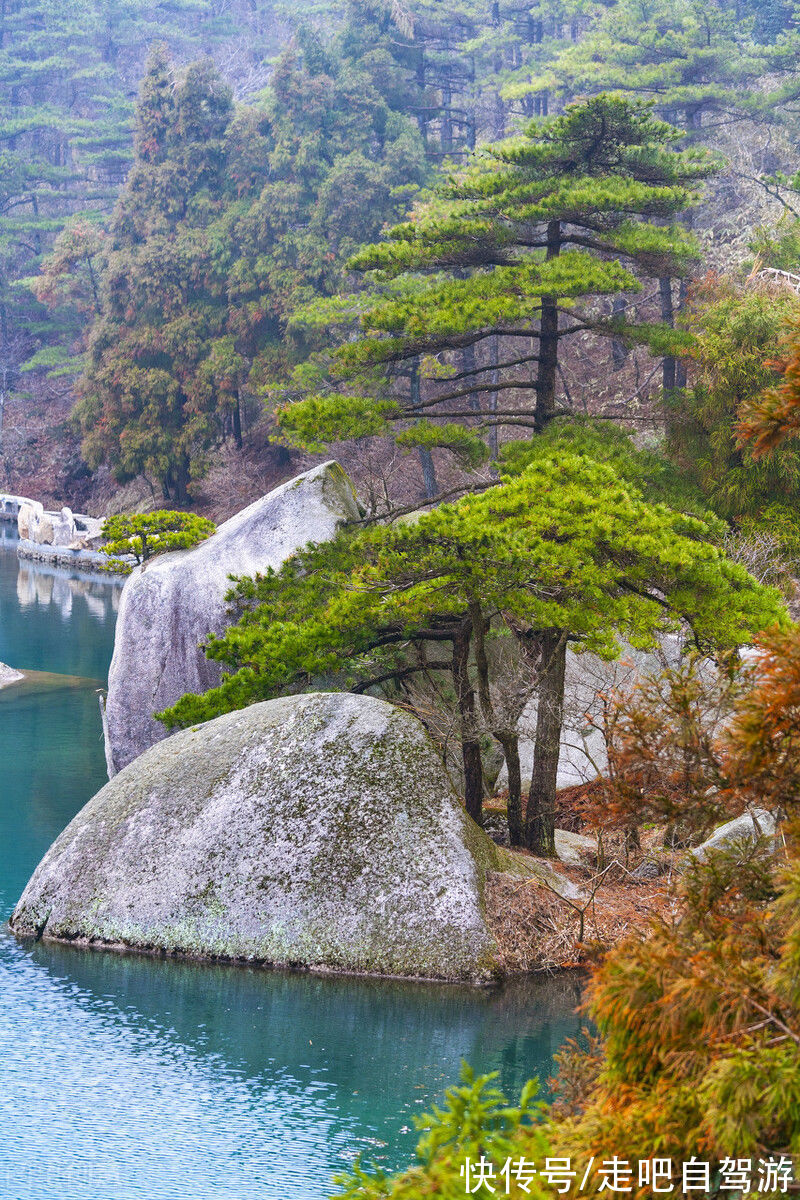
(429, 482)
(683, 292)
(470, 746)
(668, 317)
(619, 351)
(548, 341)
(428, 473)
(510, 744)
(540, 821)
(237, 421)
(182, 480)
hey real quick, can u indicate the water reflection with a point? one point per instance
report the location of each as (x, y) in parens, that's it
(55, 619)
(194, 1080)
(38, 583)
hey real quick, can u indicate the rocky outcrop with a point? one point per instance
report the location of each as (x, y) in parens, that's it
(747, 828)
(10, 506)
(575, 849)
(317, 831)
(8, 676)
(170, 605)
(63, 529)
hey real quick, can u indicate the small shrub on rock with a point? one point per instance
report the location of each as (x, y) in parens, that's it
(143, 535)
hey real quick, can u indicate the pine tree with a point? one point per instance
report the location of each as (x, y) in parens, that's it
(228, 219)
(513, 249)
(695, 62)
(158, 381)
(563, 551)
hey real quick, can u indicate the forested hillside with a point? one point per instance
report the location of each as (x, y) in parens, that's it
(209, 171)
(530, 273)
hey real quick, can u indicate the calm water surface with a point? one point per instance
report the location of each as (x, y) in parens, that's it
(125, 1077)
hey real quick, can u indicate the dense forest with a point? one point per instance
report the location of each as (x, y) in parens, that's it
(531, 274)
(212, 170)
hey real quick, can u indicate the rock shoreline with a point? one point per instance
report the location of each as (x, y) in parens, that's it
(61, 556)
(10, 676)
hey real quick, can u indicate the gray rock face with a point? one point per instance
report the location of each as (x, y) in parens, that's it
(169, 606)
(8, 675)
(317, 831)
(648, 869)
(748, 827)
(575, 849)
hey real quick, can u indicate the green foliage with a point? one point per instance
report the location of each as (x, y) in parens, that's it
(67, 72)
(649, 471)
(465, 445)
(158, 386)
(477, 1121)
(738, 339)
(143, 535)
(229, 219)
(524, 236)
(778, 247)
(695, 63)
(565, 544)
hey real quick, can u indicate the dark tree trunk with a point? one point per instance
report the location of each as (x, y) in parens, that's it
(429, 482)
(510, 744)
(540, 819)
(470, 746)
(182, 480)
(237, 421)
(468, 364)
(632, 841)
(668, 317)
(428, 473)
(619, 351)
(548, 341)
(680, 365)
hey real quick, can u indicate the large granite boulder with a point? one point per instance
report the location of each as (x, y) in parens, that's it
(317, 830)
(44, 528)
(749, 827)
(170, 605)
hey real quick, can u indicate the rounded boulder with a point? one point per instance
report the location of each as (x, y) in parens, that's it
(317, 831)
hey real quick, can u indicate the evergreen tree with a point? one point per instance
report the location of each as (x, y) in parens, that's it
(513, 250)
(228, 219)
(738, 342)
(65, 119)
(563, 551)
(696, 62)
(157, 383)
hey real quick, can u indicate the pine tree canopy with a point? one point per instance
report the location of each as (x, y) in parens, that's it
(700, 64)
(564, 544)
(517, 245)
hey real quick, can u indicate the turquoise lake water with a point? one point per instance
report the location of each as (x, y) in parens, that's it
(126, 1077)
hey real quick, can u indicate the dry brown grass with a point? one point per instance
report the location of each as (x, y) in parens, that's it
(538, 931)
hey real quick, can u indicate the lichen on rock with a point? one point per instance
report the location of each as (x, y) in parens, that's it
(316, 831)
(171, 604)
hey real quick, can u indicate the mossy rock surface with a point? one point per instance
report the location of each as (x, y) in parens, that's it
(314, 831)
